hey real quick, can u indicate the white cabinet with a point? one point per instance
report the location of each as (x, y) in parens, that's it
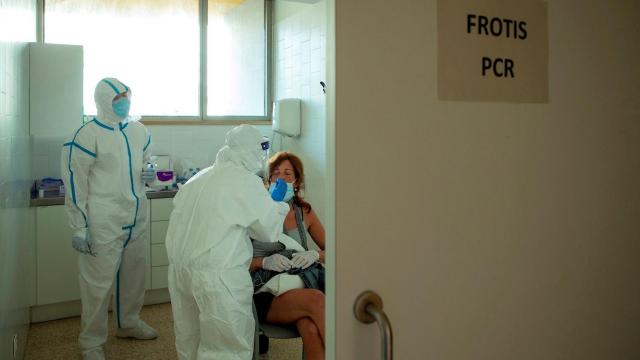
(160, 212)
(55, 89)
(56, 261)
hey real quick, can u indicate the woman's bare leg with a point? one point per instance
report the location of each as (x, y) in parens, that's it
(296, 304)
(311, 341)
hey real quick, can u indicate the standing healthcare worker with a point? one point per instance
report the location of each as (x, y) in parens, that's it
(102, 168)
(208, 243)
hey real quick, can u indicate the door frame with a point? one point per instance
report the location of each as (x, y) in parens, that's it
(330, 189)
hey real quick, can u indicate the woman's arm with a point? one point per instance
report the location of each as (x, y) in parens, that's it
(256, 263)
(316, 230)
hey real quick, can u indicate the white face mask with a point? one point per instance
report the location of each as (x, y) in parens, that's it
(288, 195)
(121, 107)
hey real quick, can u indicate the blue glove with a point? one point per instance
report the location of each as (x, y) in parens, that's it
(148, 173)
(83, 244)
(278, 190)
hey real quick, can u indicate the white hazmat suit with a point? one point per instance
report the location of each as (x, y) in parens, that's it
(209, 248)
(107, 209)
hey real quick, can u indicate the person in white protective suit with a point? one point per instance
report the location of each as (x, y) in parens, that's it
(102, 168)
(208, 243)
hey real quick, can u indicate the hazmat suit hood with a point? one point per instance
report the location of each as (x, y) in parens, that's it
(243, 148)
(106, 90)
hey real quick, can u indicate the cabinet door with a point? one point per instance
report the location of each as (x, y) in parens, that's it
(159, 278)
(161, 209)
(55, 89)
(57, 262)
(159, 231)
(159, 255)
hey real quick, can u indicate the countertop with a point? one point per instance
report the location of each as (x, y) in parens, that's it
(59, 200)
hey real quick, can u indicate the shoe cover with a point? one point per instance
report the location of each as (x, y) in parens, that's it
(93, 354)
(140, 332)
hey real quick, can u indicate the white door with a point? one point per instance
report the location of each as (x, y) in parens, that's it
(490, 230)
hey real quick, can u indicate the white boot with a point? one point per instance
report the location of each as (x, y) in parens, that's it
(140, 332)
(95, 353)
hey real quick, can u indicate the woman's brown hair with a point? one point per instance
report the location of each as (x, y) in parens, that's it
(298, 170)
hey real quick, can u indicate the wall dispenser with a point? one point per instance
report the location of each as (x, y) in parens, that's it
(286, 117)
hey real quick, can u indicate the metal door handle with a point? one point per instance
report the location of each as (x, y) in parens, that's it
(367, 309)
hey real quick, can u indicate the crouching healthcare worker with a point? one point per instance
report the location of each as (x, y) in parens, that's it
(209, 248)
(102, 168)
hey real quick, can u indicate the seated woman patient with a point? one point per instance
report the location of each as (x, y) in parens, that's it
(303, 308)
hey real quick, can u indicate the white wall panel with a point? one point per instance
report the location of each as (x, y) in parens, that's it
(17, 285)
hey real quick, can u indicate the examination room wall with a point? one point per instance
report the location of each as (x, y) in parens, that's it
(299, 65)
(198, 145)
(17, 26)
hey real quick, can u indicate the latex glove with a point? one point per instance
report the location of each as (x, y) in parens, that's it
(304, 259)
(279, 190)
(148, 173)
(82, 244)
(276, 262)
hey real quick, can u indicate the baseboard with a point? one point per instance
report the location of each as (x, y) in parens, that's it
(67, 309)
(41, 313)
(157, 296)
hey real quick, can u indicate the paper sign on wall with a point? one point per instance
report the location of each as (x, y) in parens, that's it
(493, 50)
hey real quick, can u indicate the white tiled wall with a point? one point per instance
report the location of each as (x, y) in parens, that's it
(45, 160)
(299, 57)
(196, 144)
(17, 25)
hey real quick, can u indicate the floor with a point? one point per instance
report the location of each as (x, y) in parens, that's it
(59, 340)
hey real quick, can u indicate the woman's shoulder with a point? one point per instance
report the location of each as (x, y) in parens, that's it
(309, 213)
(312, 220)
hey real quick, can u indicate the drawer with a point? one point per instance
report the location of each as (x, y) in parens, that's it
(161, 209)
(159, 231)
(159, 255)
(159, 277)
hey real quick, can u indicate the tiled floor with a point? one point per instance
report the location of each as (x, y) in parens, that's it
(59, 340)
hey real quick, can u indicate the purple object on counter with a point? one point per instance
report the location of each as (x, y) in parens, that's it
(164, 175)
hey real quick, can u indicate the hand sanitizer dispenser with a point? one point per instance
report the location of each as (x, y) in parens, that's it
(286, 117)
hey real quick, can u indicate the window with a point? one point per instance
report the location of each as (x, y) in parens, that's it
(236, 58)
(154, 46)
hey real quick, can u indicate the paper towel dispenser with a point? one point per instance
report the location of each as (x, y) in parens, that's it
(286, 117)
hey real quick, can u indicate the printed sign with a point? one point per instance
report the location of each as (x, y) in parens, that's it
(493, 50)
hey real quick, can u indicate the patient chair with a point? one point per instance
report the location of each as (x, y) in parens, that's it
(271, 331)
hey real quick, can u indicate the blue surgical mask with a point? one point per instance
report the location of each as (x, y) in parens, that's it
(121, 107)
(288, 195)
